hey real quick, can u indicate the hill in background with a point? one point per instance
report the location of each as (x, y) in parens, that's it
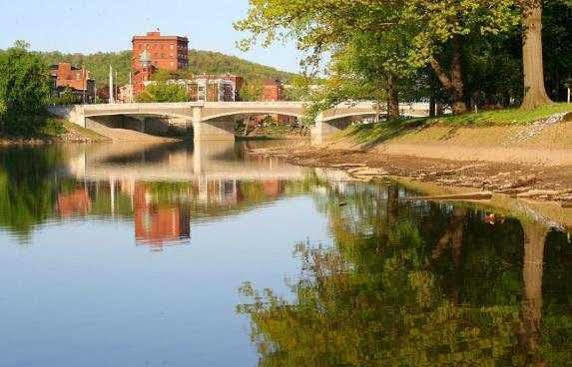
(200, 62)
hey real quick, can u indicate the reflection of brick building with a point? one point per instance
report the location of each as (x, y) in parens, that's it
(73, 79)
(273, 90)
(158, 225)
(74, 203)
(273, 188)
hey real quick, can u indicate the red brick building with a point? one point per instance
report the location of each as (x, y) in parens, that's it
(77, 80)
(273, 90)
(166, 52)
(153, 52)
(144, 73)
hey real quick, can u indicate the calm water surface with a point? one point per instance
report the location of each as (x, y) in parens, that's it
(130, 255)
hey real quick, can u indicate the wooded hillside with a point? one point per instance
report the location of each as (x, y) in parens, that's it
(199, 62)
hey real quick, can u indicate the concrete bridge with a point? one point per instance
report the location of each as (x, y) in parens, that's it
(215, 121)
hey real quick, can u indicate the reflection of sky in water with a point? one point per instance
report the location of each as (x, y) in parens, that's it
(81, 293)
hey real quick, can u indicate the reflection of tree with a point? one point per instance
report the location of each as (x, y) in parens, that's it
(27, 187)
(381, 295)
(453, 237)
(534, 240)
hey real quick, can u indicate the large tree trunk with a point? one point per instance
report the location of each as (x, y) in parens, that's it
(453, 84)
(392, 98)
(432, 107)
(534, 89)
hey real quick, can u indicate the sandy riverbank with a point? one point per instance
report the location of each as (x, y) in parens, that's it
(532, 161)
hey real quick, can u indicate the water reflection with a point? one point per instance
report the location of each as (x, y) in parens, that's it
(161, 189)
(413, 283)
(399, 281)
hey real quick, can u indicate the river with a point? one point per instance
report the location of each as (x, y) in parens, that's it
(173, 255)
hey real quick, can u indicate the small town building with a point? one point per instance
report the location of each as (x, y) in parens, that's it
(72, 80)
(153, 52)
(142, 75)
(210, 88)
(215, 88)
(273, 90)
(166, 52)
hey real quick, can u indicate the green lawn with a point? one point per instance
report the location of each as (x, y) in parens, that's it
(504, 117)
(372, 134)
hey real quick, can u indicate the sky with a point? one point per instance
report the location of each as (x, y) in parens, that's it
(88, 26)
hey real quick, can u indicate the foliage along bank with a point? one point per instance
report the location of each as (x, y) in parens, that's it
(24, 91)
(461, 54)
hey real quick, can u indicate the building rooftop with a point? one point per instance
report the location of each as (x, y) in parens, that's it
(57, 66)
(157, 36)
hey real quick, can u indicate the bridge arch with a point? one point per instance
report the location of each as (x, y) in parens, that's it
(209, 117)
(141, 114)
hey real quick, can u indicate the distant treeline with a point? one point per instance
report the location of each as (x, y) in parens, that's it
(200, 62)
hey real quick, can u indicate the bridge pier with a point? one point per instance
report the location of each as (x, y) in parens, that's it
(218, 130)
(323, 131)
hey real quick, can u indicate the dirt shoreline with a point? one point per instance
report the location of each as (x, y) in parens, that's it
(531, 181)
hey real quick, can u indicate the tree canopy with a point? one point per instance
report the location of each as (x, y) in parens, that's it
(24, 90)
(162, 91)
(394, 46)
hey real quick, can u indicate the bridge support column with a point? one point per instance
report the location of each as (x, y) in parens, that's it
(323, 131)
(213, 131)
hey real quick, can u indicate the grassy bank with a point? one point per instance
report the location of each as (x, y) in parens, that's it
(510, 116)
(497, 127)
(54, 130)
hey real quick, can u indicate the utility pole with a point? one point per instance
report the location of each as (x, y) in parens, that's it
(116, 89)
(111, 99)
(130, 87)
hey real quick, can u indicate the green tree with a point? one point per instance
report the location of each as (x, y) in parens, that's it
(252, 91)
(434, 31)
(24, 90)
(163, 92)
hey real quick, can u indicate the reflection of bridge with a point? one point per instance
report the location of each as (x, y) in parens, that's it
(175, 163)
(214, 121)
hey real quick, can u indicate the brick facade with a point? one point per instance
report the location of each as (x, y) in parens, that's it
(167, 52)
(140, 77)
(273, 90)
(65, 76)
